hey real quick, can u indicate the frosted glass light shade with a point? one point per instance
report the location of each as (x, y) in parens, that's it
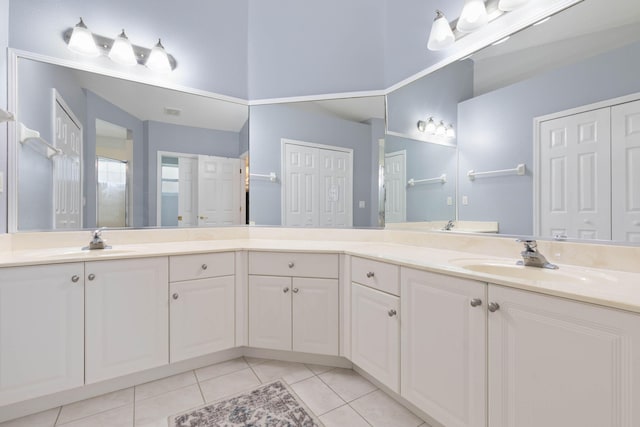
(158, 59)
(441, 129)
(451, 133)
(122, 51)
(82, 41)
(509, 5)
(473, 16)
(430, 127)
(441, 36)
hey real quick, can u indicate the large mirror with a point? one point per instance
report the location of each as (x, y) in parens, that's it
(546, 128)
(317, 163)
(116, 153)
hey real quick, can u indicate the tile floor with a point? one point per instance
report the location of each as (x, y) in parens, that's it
(340, 397)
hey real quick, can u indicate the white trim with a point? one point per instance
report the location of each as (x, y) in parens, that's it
(435, 140)
(320, 97)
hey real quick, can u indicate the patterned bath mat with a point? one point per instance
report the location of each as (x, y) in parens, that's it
(270, 405)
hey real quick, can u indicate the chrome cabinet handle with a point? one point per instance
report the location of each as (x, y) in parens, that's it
(295, 290)
(493, 307)
(285, 290)
(75, 278)
(370, 274)
(291, 264)
(91, 276)
(392, 312)
(175, 296)
(476, 302)
(204, 266)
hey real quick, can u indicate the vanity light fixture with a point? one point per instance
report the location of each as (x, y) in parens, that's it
(120, 50)
(439, 129)
(473, 16)
(451, 133)
(441, 36)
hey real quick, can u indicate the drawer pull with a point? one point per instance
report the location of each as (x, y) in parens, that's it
(176, 296)
(75, 278)
(493, 307)
(285, 290)
(370, 274)
(204, 266)
(392, 312)
(291, 264)
(91, 276)
(476, 302)
(295, 290)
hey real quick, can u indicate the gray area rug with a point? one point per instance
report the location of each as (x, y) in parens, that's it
(269, 405)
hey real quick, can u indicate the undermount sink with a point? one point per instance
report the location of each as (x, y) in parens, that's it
(515, 271)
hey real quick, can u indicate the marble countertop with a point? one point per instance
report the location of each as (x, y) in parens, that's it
(611, 288)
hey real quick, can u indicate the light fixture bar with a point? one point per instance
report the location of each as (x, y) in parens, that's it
(104, 44)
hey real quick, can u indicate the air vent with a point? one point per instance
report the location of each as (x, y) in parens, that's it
(172, 111)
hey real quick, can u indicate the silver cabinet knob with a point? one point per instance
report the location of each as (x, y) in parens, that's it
(392, 312)
(175, 296)
(91, 276)
(493, 307)
(204, 266)
(476, 302)
(285, 290)
(295, 290)
(291, 264)
(370, 274)
(75, 278)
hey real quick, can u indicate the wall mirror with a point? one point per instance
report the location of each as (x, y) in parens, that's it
(316, 163)
(112, 152)
(547, 132)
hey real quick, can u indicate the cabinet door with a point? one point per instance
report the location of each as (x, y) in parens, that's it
(41, 330)
(127, 317)
(558, 363)
(315, 315)
(270, 312)
(202, 314)
(375, 334)
(444, 347)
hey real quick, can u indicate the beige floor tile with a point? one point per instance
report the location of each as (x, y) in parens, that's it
(342, 417)
(226, 385)
(118, 417)
(318, 369)
(317, 396)
(95, 405)
(380, 410)
(220, 369)
(41, 419)
(288, 371)
(165, 385)
(347, 383)
(252, 361)
(156, 410)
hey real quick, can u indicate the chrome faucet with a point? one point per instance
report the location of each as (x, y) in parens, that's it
(532, 258)
(449, 226)
(96, 240)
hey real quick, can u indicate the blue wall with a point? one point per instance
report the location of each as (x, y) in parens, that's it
(495, 131)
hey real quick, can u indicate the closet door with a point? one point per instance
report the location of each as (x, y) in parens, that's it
(625, 155)
(575, 176)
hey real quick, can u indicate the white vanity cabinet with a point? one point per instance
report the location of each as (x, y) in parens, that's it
(294, 302)
(126, 318)
(443, 335)
(41, 330)
(555, 362)
(202, 304)
(375, 320)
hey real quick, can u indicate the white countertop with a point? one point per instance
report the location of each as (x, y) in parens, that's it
(612, 288)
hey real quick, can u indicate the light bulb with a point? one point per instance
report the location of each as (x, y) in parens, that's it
(422, 125)
(430, 126)
(158, 59)
(473, 16)
(441, 130)
(441, 36)
(509, 5)
(122, 51)
(451, 133)
(82, 41)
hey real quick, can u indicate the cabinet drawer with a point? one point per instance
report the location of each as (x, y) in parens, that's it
(201, 266)
(293, 264)
(378, 275)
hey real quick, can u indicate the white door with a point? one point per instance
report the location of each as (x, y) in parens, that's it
(315, 315)
(187, 200)
(219, 181)
(270, 312)
(301, 196)
(41, 330)
(67, 168)
(335, 188)
(202, 316)
(560, 363)
(625, 155)
(576, 204)
(395, 184)
(375, 334)
(127, 317)
(444, 347)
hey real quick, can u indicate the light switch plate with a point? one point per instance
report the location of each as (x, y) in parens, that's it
(449, 201)
(465, 200)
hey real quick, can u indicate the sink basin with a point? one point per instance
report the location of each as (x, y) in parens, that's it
(514, 271)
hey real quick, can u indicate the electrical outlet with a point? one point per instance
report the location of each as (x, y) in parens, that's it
(465, 200)
(449, 201)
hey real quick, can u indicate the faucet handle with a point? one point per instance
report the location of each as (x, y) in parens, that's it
(529, 245)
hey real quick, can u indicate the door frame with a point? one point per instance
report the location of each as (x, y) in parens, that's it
(402, 153)
(160, 154)
(283, 180)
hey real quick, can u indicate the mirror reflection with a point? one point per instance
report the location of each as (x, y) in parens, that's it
(546, 128)
(124, 154)
(316, 163)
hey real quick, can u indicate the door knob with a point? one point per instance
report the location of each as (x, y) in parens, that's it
(476, 302)
(91, 276)
(176, 296)
(204, 266)
(291, 264)
(295, 290)
(493, 307)
(370, 274)
(392, 312)
(285, 290)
